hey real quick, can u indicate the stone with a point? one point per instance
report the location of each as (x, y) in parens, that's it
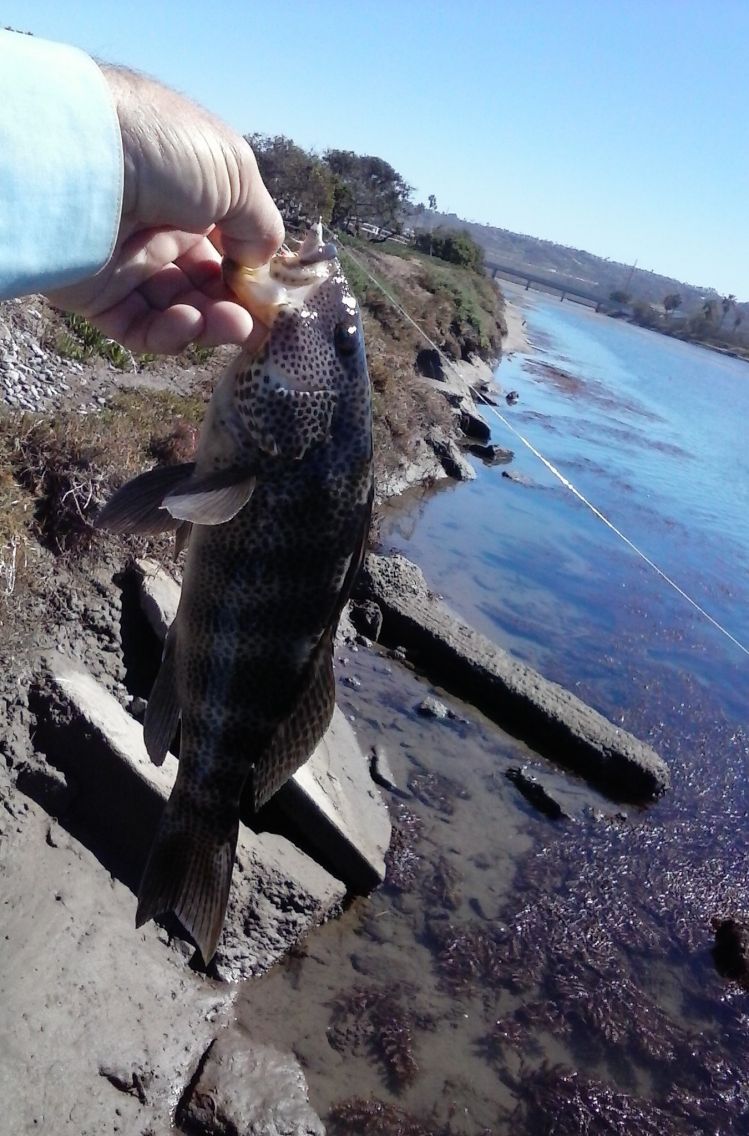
(245, 1088)
(449, 455)
(429, 364)
(474, 426)
(432, 708)
(380, 769)
(550, 719)
(491, 454)
(278, 894)
(159, 596)
(518, 478)
(536, 792)
(332, 801)
(367, 619)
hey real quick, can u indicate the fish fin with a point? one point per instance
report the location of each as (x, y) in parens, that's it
(138, 506)
(189, 872)
(182, 538)
(163, 709)
(213, 498)
(296, 737)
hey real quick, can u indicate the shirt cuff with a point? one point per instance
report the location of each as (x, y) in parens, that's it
(61, 166)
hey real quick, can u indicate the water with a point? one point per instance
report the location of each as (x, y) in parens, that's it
(517, 976)
(654, 432)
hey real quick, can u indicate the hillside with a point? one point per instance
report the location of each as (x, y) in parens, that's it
(596, 274)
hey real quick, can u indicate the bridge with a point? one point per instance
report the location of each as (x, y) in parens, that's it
(518, 274)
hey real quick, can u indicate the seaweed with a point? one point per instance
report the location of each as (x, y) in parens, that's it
(559, 1100)
(402, 862)
(373, 1020)
(469, 955)
(441, 885)
(374, 1117)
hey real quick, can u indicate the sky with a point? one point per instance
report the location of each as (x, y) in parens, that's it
(617, 128)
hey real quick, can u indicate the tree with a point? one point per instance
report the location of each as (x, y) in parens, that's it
(726, 304)
(454, 245)
(432, 202)
(299, 182)
(619, 296)
(671, 302)
(366, 189)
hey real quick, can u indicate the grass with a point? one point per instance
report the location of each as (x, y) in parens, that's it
(82, 341)
(56, 471)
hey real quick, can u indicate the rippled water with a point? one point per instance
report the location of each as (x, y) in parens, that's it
(656, 434)
(516, 976)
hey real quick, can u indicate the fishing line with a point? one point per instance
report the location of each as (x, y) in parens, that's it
(545, 461)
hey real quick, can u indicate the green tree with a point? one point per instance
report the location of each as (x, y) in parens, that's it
(299, 182)
(619, 296)
(454, 245)
(432, 202)
(366, 189)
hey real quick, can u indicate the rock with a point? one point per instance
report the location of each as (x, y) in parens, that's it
(449, 454)
(278, 894)
(245, 1088)
(367, 619)
(46, 785)
(549, 718)
(380, 770)
(536, 793)
(159, 596)
(432, 708)
(474, 426)
(351, 681)
(731, 950)
(341, 815)
(518, 478)
(492, 455)
(511, 398)
(330, 800)
(429, 364)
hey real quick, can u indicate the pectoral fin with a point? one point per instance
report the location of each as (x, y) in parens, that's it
(212, 498)
(137, 506)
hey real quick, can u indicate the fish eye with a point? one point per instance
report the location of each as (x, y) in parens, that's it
(346, 338)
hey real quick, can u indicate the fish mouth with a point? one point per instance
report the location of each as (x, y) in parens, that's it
(287, 281)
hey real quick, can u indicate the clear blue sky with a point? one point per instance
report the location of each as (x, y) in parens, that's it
(617, 128)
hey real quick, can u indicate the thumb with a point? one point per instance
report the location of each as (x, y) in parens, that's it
(252, 231)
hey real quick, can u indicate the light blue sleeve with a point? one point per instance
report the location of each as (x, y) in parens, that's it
(61, 166)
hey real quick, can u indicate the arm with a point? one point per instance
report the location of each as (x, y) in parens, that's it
(188, 190)
(61, 168)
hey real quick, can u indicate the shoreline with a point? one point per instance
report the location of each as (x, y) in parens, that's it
(516, 341)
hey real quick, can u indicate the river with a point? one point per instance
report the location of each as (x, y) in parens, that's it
(518, 976)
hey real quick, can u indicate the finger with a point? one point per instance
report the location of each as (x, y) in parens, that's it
(252, 231)
(141, 257)
(139, 327)
(175, 281)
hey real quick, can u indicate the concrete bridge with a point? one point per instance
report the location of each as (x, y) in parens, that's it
(518, 274)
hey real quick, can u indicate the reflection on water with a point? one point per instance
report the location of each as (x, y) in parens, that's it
(521, 977)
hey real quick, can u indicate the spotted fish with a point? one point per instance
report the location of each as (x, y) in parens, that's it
(277, 508)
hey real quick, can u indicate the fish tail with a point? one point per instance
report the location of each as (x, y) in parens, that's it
(189, 873)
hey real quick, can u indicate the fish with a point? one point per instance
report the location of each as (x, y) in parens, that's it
(275, 513)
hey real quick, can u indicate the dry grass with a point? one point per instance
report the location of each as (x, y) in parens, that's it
(56, 471)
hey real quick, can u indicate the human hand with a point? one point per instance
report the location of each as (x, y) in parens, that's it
(192, 191)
